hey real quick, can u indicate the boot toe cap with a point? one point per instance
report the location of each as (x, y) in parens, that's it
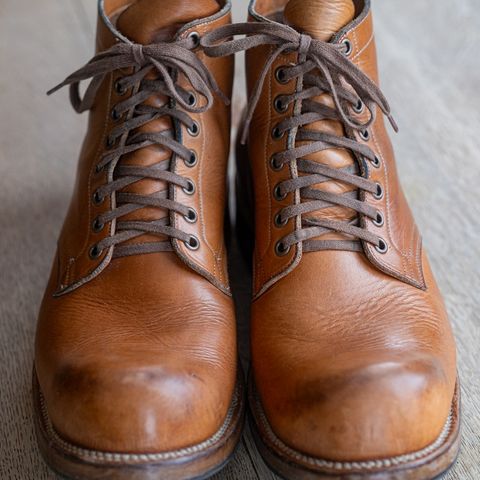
(141, 410)
(364, 412)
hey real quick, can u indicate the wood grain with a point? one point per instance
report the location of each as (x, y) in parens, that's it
(430, 68)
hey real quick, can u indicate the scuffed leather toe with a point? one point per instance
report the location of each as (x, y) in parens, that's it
(365, 410)
(144, 409)
(123, 379)
(344, 380)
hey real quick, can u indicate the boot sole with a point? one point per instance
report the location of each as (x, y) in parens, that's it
(425, 464)
(197, 462)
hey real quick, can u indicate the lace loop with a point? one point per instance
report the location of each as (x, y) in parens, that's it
(336, 69)
(155, 69)
(321, 68)
(161, 56)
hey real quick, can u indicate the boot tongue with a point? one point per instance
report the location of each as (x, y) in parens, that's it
(321, 19)
(149, 21)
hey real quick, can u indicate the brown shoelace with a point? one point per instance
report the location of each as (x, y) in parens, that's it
(322, 68)
(167, 61)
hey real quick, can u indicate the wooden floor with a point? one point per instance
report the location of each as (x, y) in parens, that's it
(430, 62)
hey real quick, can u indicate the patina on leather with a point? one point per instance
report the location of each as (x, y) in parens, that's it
(136, 342)
(76, 265)
(353, 354)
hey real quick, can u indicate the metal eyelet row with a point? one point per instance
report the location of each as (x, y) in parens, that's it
(277, 134)
(193, 243)
(281, 76)
(278, 195)
(279, 221)
(379, 221)
(276, 167)
(192, 160)
(95, 252)
(359, 108)
(348, 47)
(194, 130)
(279, 105)
(382, 246)
(196, 38)
(281, 249)
(192, 217)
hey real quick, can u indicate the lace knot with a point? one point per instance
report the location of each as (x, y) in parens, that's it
(138, 54)
(305, 42)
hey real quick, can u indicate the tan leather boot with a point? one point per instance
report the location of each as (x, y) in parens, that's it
(136, 365)
(354, 369)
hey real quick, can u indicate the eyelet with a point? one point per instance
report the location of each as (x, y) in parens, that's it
(379, 193)
(379, 220)
(277, 194)
(279, 106)
(194, 130)
(109, 142)
(192, 160)
(365, 135)
(382, 246)
(97, 225)
(279, 222)
(376, 162)
(190, 190)
(274, 165)
(119, 88)
(191, 216)
(277, 134)
(97, 199)
(281, 76)
(348, 47)
(192, 99)
(359, 107)
(196, 38)
(192, 243)
(95, 252)
(281, 250)
(115, 115)
(98, 169)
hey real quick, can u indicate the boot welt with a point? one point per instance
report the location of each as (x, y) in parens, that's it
(425, 464)
(197, 462)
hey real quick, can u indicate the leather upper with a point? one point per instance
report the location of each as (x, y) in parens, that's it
(366, 363)
(77, 237)
(353, 354)
(138, 353)
(403, 258)
(141, 359)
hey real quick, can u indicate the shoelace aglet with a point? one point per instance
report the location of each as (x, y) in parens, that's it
(223, 97)
(55, 89)
(393, 123)
(219, 92)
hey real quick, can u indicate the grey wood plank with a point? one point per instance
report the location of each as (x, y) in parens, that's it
(86, 13)
(40, 42)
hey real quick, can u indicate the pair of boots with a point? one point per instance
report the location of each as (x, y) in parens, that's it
(353, 360)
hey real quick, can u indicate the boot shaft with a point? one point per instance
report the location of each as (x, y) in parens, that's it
(139, 25)
(400, 246)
